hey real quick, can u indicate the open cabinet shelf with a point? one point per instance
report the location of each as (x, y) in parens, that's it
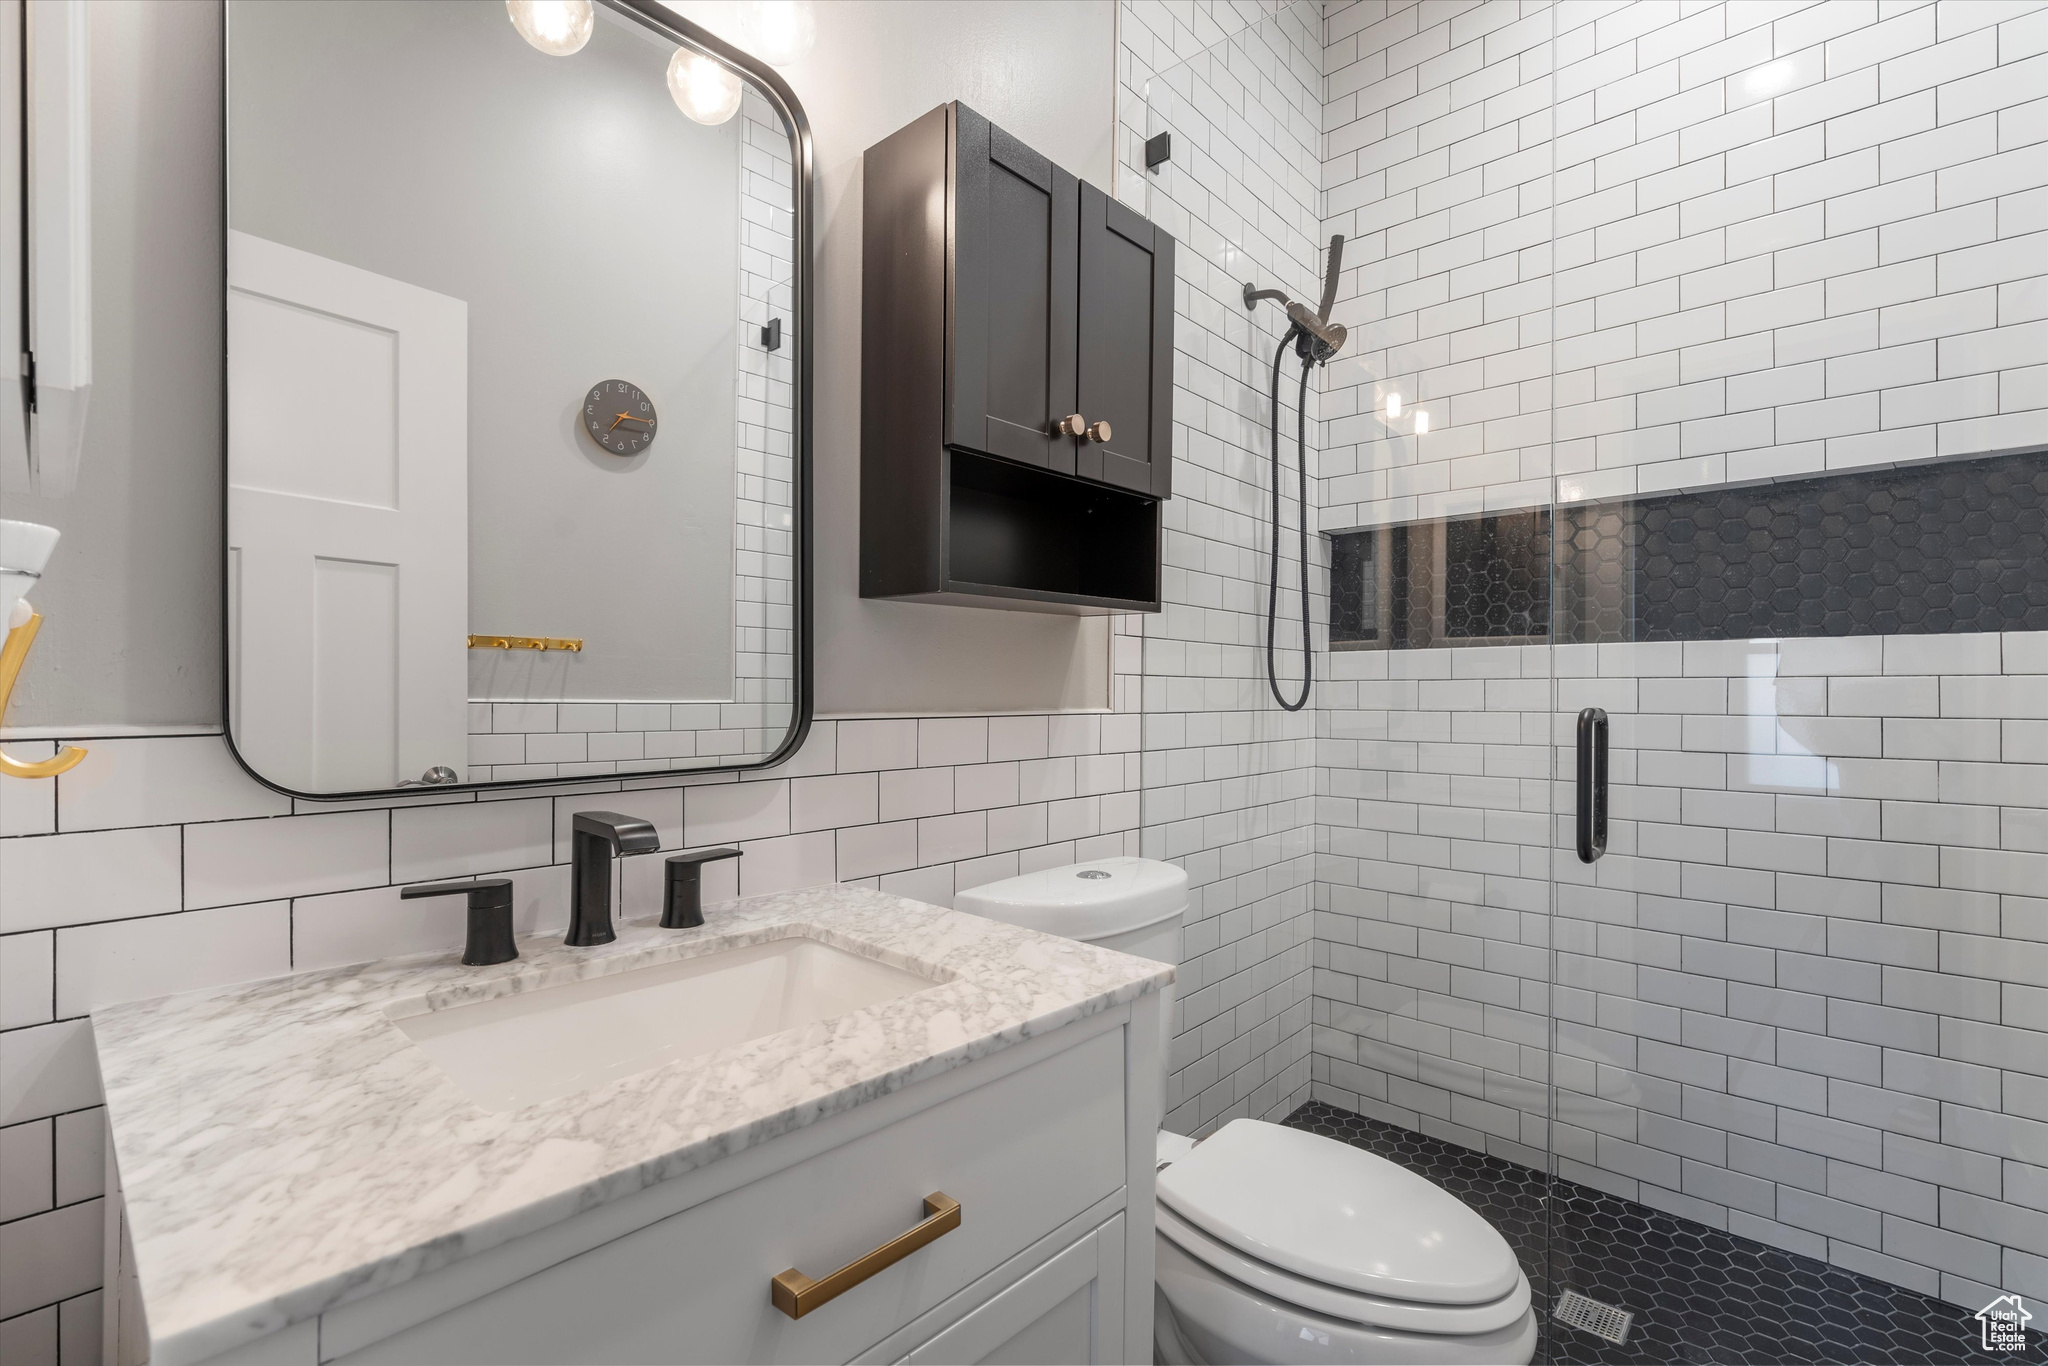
(1021, 538)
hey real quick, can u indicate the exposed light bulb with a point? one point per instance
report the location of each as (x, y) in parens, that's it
(703, 87)
(1393, 406)
(780, 32)
(1421, 421)
(556, 27)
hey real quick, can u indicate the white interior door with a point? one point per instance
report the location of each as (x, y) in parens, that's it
(348, 521)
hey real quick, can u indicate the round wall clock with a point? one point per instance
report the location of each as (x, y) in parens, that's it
(619, 417)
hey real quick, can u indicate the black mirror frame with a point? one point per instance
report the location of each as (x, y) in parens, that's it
(657, 17)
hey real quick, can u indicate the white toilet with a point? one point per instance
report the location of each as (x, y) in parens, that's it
(1278, 1245)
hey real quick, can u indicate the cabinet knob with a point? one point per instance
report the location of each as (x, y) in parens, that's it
(1099, 432)
(1073, 424)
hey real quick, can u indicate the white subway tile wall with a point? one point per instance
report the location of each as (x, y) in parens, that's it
(1803, 998)
(1785, 237)
(1227, 773)
(764, 544)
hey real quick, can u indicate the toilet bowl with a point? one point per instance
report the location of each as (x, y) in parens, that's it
(1275, 1244)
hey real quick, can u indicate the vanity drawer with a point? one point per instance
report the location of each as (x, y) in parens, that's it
(1071, 1309)
(1021, 1154)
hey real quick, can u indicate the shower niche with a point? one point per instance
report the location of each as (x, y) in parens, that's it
(1017, 378)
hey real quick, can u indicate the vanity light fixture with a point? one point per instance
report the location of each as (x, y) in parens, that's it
(780, 32)
(703, 87)
(1393, 407)
(1421, 421)
(556, 27)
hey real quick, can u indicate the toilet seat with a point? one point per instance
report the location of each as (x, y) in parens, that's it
(1203, 1316)
(1339, 1231)
(1347, 1305)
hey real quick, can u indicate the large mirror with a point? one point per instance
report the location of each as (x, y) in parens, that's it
(517, 404)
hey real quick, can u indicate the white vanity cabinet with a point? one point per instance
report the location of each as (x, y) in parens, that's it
(295, 1180)
(1046, 1145)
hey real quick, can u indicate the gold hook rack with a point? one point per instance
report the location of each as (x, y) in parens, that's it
(573, 645)
(12, 655)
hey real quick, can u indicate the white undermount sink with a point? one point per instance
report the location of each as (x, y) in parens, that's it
(519, 1050)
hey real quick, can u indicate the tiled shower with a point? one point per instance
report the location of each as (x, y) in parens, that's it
(1726, 326)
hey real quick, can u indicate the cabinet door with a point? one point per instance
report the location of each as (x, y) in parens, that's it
(1010, 368)
(1126, 346)
(1068, 1312)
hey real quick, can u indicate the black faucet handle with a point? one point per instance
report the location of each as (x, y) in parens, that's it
(682, 898)
(490, 916)
(483, 891)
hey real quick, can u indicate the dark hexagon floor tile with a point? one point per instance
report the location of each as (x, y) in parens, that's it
(1699, 1295)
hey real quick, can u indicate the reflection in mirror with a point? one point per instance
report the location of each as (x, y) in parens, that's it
(512, 398)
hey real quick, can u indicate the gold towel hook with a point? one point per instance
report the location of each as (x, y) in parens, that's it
(543, 643)
(12, 655)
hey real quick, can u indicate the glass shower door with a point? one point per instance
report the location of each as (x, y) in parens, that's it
(1801, 565)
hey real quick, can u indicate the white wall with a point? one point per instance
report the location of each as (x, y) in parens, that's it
(572, 739)
(131, 600)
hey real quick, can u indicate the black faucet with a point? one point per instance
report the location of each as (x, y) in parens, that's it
(596, 836)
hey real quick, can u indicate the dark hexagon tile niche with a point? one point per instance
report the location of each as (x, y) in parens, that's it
(1698, 1295)
(1945, 546)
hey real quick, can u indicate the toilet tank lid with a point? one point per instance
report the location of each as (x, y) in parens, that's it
(1090, 900)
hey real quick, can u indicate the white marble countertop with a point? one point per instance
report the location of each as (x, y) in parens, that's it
(283, 1148)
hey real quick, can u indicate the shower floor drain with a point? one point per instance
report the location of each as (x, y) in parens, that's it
(1589, 1315)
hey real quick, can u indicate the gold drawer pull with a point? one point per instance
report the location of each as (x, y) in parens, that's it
(796, 1294)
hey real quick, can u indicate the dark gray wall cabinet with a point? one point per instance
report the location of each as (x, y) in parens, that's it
(1016, 378)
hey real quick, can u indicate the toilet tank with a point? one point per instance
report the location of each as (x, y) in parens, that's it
(1132, 905)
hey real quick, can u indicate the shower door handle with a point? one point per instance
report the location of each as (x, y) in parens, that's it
(1592, 785)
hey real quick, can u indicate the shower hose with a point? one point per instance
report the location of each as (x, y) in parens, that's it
(1301, 504)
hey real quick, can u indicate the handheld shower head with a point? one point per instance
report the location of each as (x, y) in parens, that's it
(1326, 338)
(1332, 265)
(1321, 338)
